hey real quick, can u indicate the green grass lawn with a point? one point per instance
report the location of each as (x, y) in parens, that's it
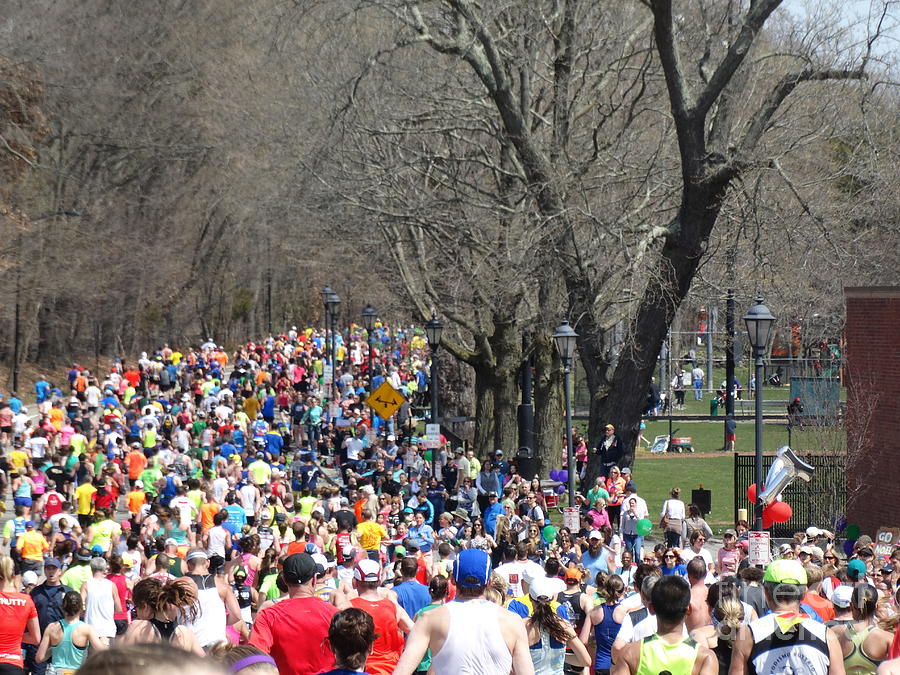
(657, 475)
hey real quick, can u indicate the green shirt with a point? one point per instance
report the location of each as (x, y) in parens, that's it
(596, 493)
(149, 477)
(75, 576)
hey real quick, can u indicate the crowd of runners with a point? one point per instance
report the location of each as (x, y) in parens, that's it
(200, 511)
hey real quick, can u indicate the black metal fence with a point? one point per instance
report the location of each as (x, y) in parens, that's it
(819, 502)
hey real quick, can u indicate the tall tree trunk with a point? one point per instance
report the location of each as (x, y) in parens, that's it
(506, 346)
(548, 403)
(484, 408)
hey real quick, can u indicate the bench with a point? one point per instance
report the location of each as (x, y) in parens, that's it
(749, 406)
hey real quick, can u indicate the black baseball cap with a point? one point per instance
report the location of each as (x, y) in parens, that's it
(299, 568)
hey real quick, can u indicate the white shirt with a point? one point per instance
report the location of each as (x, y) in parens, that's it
(184, 506)
(673, 508)
(354, 446)
(248, 499)
(513, 572)
(640, 506)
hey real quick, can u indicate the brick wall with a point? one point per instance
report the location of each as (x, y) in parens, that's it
(872, 336)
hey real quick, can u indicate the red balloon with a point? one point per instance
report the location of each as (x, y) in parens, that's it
(751, 493)
(779, 512)
(767, 519)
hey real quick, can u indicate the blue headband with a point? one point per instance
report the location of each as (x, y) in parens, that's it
(253, 659)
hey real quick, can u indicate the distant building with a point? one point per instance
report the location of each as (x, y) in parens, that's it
(873, 406)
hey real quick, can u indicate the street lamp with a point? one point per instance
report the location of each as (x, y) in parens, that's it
(433, 331)
(759, 322)
(333, 303)
(368, 316)
(565, 338)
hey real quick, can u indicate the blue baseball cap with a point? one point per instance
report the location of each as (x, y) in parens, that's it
(472, 568)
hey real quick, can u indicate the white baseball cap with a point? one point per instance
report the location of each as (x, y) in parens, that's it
(367, 570)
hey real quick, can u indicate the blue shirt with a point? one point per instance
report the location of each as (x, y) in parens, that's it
(424, 537)
(15, 405)
(490, 517)
(268, 407)
(40, 388)
(594, 565)
(236, 518)
(412, 596)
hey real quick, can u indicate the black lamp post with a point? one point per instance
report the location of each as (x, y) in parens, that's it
(433, 331)
(565, 338)
(368, 316)
(759, 322)
(334, 303)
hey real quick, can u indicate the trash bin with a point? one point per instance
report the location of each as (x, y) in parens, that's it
(714, 407)
(526, 463)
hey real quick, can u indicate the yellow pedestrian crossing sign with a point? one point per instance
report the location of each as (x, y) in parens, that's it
(385, 401)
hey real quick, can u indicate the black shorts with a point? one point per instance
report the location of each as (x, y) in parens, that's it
(6, 430)
(10, 669)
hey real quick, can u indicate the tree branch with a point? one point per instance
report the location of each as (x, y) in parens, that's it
(756, 16)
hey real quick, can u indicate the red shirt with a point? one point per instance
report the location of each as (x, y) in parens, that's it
(15, 611)
(52, 505)
(822, 606)
(293, 632)
(388, 646)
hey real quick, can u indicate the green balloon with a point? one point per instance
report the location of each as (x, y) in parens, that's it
(643, 527)
(852, 532)
(549, 533)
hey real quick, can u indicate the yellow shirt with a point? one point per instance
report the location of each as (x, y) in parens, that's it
(19, 459)
(370, 535)
(103, 533)
(474, 467)
(84, 496)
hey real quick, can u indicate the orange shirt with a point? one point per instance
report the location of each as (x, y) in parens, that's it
(137, 462)
(207, 511)
(135, 500)
(56, 417)
(32, 545)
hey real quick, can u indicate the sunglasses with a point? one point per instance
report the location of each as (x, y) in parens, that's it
(829, 557)
(701, 538)
(669, 556)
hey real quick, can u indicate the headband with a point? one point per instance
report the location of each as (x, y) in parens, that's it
(253, 659)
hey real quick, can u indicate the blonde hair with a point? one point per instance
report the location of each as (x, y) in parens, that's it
(7, 568)
(729, 612)
(675, 492)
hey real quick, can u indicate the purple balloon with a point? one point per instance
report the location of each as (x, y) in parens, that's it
(848, 546)
(840, 524)
(553, 474)
(560, 489)
(563, 476)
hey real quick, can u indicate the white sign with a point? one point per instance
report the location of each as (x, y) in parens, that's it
(433, 436)
(571, 518)
(760, 549)
(328, 374)
(334, 411)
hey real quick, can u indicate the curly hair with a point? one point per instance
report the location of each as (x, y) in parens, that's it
(154, 594)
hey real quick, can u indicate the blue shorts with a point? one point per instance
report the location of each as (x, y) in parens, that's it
(22, 501)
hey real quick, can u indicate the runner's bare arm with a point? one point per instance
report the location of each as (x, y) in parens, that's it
(416, 645)
(835, 655)
(32, 634)
(740, 653)
(628, 660)
(706, 662)
(581, 652)
(44, 647)
(521, 654)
